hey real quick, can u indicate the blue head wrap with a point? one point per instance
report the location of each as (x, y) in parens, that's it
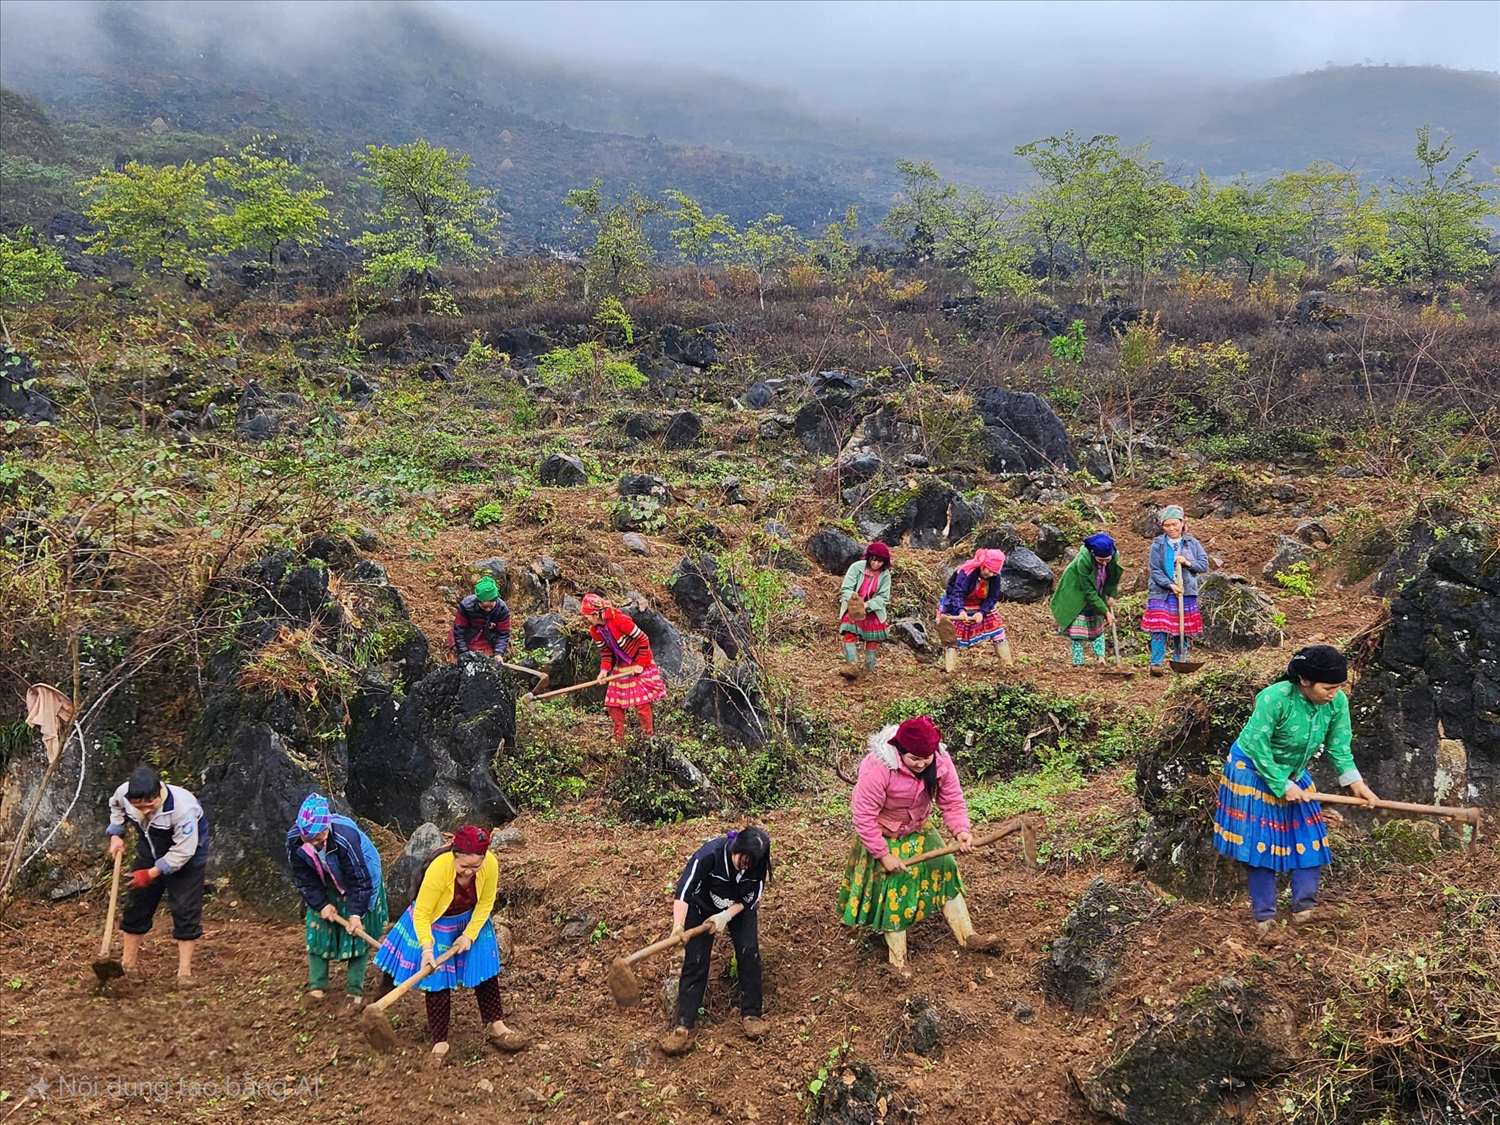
(1100, 545)
(313, 816)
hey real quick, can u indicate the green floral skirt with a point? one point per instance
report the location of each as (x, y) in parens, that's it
(870, 897)
(332, 942)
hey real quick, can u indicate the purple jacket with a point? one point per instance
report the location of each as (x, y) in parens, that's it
(961, 585)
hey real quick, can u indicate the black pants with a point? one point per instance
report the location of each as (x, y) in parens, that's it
(184, 890)
(744, 931)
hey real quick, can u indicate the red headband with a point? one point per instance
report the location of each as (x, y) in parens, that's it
(469, 840)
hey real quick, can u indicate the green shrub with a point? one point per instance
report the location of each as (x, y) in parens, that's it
(487, 515)
(1296, 578)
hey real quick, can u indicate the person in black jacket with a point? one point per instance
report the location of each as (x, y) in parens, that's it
(481, 624)
(722, 884)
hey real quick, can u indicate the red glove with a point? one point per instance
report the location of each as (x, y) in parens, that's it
(140, 880)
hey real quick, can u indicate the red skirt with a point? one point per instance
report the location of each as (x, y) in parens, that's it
(1161, 616)
(638, 691)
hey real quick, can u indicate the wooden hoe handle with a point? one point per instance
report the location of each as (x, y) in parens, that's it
(359, 933)
(667, 943)
(405, 986)
(1452, 812)
(581, 687)
(1006, 828)
(114, 898)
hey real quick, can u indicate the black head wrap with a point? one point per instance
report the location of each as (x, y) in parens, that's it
(1318, 664)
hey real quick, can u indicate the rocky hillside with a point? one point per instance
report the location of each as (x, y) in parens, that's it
(235, 531)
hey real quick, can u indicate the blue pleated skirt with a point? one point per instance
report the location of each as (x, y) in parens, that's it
(401, 954)
(1256, 827)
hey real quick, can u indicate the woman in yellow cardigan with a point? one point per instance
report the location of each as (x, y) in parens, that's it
(452, 911)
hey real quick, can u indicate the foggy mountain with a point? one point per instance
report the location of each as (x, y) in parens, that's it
(332, 78)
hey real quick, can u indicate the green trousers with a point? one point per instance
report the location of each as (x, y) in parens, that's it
(354, 982)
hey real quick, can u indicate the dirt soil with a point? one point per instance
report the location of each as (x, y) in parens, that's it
(247, 1016)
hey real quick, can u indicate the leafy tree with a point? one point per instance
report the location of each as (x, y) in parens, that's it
(696, 235)
(1437, 233)
(1147, 215)
(269, 210)
(979, 241)
(1080, 186)
(428, 213)
(620, 258)
(917, 221)
(764, 248)
(29, 272)
(832, 248)
(1238, 223)
(160, 215)
(1318, 203)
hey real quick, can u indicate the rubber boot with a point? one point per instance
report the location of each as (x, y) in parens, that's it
(895, 951)
(956, 910)
(869, 661)
(1002, 650)
(950, 660)
(851, 668)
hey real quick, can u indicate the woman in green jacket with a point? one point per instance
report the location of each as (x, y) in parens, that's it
(864, 602)
(1268, 816)
(1083, 605)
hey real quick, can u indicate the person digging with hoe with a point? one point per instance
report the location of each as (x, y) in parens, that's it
(722, 884)
(967, 615)
(338, 873)
(481, 624)
(1268, 816)
(1083, 605)
(906, 770)
(864, 600)
(1174, 547)
(623, 649)
(451, 910)
(171, 853)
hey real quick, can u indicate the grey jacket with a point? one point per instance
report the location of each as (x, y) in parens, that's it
(1194, 563)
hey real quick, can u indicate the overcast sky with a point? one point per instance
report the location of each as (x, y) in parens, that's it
(783, 42)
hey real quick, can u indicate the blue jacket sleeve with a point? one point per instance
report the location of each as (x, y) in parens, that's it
(309, 886)
(1197, 557)
(1160, 575)
(359, 889)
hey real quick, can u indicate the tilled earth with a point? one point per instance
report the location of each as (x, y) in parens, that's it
(247, 1022)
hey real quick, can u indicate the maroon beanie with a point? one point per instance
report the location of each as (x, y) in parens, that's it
(918, 737)
(878, 550)
(469, 840)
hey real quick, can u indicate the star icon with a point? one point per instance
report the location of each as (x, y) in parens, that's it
(39, 1088)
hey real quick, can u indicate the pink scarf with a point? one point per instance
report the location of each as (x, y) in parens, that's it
(991, 558)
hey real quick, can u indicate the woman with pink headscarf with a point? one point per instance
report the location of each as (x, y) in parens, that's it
(967, 614)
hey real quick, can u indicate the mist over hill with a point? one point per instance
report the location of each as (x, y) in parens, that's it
(332, 78)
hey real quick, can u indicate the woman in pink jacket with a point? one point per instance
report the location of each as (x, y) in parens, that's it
(906, 770)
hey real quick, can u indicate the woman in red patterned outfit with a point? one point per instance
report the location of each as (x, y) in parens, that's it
(623, 648)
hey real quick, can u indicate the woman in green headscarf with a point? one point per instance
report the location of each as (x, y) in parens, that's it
(1083, 605)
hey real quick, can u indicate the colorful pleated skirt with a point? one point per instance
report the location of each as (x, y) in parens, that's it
(401, 955)
(871, 630)
(1085, 628)
(1161, 616)
(870, 897)
(988, 628)
(1256, 827)
(638, 691)
(332, 942)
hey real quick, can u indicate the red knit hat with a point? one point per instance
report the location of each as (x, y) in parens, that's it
(469, 840)
(878, 550)
(918, 737)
